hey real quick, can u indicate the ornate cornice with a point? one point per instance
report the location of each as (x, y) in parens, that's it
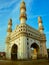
(24, 34)
(25, 30)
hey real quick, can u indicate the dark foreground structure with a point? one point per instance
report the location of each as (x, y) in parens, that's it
(2, 55)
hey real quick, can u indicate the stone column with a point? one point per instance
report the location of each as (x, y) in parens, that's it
(23, 43)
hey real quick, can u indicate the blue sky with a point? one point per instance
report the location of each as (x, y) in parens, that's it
(11, 9)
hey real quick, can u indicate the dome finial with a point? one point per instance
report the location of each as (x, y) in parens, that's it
(23, 1)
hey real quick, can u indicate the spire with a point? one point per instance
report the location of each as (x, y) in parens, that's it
(9, 26)
(40, 24)
(23, 16)
(10, 22)
(22, 6)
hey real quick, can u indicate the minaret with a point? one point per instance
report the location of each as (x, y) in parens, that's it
(23, 16)
(9, 30)
(40, 24)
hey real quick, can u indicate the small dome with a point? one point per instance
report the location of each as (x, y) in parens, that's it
(22, 5)
(10, 22)
(23, 2)
(39, 19)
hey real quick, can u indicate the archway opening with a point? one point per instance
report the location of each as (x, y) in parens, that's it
(14, 52)
(34, 51)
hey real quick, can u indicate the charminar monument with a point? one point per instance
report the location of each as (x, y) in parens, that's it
(25, 42)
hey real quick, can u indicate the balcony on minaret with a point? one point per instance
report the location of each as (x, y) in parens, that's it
(23, 16)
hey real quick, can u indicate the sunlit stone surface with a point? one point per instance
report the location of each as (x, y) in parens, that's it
(25, 42)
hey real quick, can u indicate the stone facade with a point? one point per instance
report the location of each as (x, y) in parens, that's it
(25, 42)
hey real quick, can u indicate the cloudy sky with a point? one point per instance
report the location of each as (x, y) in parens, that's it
(11, 9)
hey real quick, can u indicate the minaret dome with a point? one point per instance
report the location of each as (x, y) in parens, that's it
(23, 16)
(9, 26)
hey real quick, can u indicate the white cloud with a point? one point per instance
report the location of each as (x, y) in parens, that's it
(6, 4)
(15, 9)
(15, 12)
(29, 4)
(4, 7)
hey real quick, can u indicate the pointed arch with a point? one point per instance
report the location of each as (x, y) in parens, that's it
(34, 45)
(14, 51)
(34, 50)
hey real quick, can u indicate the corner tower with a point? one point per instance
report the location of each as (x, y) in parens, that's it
(41, 28)
(23, 16)
(9, 30)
